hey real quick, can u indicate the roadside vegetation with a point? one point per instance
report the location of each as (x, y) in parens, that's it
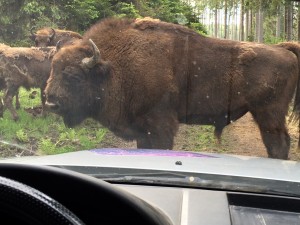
(39, 134)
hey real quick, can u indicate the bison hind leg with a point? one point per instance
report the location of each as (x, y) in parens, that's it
(273, 132)
(218, 133)
(18, 105)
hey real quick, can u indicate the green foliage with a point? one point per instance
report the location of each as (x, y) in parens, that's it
(46, 146)
(22, 136)
(45, 134)
(199, 28)
(18, 17)
(34, 8)
(124, 9)
(269, 39)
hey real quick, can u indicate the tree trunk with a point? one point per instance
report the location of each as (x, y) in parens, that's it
(216, 22)
(225, 19)
(278, 22)
(259, 25)
(247, 25)
(289, 21)
(251, 27)
(298, 17)
(242, 32)
(236, 32)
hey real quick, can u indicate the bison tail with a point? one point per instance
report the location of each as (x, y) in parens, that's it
(295, 48)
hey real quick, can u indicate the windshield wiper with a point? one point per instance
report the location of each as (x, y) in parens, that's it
(191, 181)
(187, 179)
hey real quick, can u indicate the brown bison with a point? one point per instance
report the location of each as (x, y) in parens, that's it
(50, 37)
(26, 67)
(141, 78)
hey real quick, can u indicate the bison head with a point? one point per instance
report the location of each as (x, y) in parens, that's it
(43, 38)
(75, 83)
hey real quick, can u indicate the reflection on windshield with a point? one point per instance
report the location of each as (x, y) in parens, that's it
(194, 76)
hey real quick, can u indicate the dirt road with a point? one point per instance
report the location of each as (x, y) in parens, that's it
(241, 137)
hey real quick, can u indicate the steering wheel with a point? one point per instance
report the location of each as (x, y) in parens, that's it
(37, 195)
(21, 204)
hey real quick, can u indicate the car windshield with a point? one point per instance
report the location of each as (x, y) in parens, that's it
(205, 76)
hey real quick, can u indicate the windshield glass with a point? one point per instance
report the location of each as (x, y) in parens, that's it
(209, 76)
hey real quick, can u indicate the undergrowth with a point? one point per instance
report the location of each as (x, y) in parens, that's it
(44, 134)
(47, 134)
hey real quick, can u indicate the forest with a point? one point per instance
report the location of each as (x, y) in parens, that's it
(268, 21)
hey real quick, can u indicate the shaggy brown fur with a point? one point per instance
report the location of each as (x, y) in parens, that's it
(49, 37)
(26, 67)
(153, 75)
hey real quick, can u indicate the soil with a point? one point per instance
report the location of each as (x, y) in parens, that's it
(242, 137)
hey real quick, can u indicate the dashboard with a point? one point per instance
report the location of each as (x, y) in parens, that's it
(94, 201)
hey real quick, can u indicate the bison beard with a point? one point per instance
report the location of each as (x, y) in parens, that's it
(152, 75)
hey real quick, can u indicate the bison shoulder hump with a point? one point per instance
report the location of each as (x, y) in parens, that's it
(246, 55)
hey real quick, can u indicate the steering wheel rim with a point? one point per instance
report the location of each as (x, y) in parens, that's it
(91, 199)
(27, 205)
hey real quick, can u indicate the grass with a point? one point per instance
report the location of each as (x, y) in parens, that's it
(201, 138)
(44, 135)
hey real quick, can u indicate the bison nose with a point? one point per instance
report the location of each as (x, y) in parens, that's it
(51, 106)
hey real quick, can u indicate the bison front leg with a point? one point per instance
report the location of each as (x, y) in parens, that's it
(1, 108)
(8, 99)
(18, 105)
(158, 132)
(277, 144)
(43, 99)
(274, 133)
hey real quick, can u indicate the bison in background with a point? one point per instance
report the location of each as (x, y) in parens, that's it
(26, 67)
(141, 78)
(2, 80)
(50, 37)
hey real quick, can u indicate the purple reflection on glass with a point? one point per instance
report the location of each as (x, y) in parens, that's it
(148, 152)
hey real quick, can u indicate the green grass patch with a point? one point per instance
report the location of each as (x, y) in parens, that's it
(44, 134)
(202, 139)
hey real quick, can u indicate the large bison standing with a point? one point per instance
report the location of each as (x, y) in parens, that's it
(141, 78)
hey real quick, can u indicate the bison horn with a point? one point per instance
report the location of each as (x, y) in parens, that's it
(92, 61)
(52, 35)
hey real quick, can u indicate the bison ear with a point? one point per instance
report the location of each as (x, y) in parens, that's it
(52, 35)
(89, 63)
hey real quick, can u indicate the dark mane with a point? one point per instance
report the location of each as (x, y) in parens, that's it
(146, 24)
